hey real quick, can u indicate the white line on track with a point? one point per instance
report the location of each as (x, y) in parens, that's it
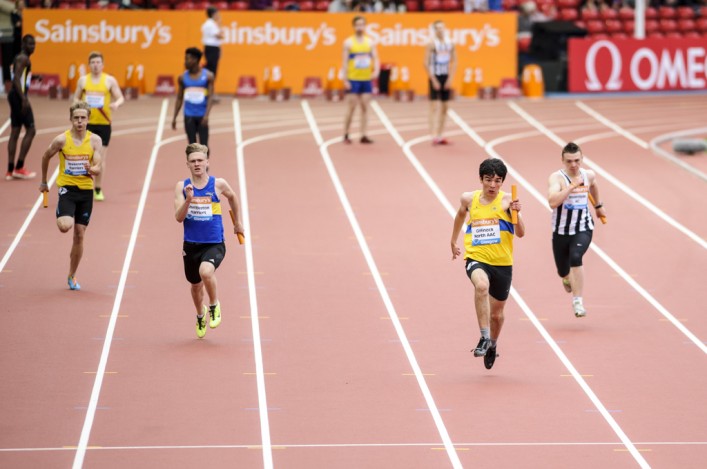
(514, 293)
(660, 139)
(375, 273)
(490, 148)
(100, 372)
(612, 125)
(257, 346)
(613, 180)
(5, 126)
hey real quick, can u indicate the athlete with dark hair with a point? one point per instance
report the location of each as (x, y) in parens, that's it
(196, 91)
(488, 239)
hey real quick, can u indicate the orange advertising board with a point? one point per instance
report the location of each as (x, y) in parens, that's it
(302, 44)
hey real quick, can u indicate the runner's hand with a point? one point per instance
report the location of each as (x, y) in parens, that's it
(238, 228)
(205, 120)
(189, 191)
(601, 212)
(174, 124)
(43, 187)
(516, 205)
(576, 182)
(347, 85)
(113, 105)
(435, 84)
(455, 251)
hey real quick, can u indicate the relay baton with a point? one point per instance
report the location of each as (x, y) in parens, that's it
(593, 202)
(514, 196)
(45, 199)
(241, 238)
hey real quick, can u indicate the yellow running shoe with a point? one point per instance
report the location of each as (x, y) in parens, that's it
(98, 196)
(568, 286)
(201, 324)
(215, 313)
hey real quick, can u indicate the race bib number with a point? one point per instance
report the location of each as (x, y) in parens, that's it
(200, 209)
(485, 231)
(95, 100)
(362, 61)
(578, 199)
(75, 165)
(195, 95)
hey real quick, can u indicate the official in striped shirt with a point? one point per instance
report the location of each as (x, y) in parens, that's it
(572, 224)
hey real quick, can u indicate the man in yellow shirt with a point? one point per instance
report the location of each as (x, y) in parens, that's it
(488, 242)
(102, 93)
(360, 63)
(79, 161)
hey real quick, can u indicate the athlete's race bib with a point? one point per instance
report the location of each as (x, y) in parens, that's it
(200, 209)
(443, 57)
(95, 99)
(362, 61)
(578, 199)
(195, 95)
(485, 231)
(75, 165)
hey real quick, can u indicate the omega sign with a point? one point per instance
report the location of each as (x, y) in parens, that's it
(631, 65)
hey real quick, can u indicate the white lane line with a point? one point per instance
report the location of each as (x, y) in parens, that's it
(613, 180)
(250, 269)
(449, 207)
(5, 126)
(612, 125)
(375, 273)
(660, 139)
(100, 372)
(28, 220)
(363, 445)
(489, 147)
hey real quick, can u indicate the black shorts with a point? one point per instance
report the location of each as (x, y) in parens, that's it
(102, 130)
(569, 249)
(17, 117)
(76, 203)
(500, 277)
(441, 94)
(196, 253)
(194, 127)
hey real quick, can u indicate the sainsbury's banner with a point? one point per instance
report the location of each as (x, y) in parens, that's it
(302, 44)
(637, 65)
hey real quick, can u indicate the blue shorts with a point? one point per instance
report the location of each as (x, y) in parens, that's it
(361, 86)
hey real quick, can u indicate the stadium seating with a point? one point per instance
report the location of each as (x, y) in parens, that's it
(626, 13)
(686, 25)
(573, 4)
(595, 27)
(569, 14)
(613, 27)
(652, 26)
(629, 26)
(609, 14)
(432, 5)
(651, 13)
(184, 6)
(692, 35)
(668, 26)
(588, 15)
(239, 6)
(686, 13)
(322, 5)
(412, 5)
(306, 6)
(702, 24)
(674, 35)
(619, 35)
(666, 13)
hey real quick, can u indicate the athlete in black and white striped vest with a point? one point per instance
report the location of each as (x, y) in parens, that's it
(572, 223)
(440, 63)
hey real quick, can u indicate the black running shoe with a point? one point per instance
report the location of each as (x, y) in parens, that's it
(490, 358)
(366, 140)
(482, 347)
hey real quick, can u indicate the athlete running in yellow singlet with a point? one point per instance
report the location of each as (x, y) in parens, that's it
(102, 92)
(488, 241)
(79, 162)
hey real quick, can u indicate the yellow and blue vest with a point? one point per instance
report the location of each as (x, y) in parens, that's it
(489, 232)
(97, 95)
(360, 66)
(203, 223)
(72, 159)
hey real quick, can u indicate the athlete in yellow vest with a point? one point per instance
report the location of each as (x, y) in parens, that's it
(79, 162)
(360, 63)
(102, 93)
(488, 241)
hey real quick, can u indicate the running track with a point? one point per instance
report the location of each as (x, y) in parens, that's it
(347, 329)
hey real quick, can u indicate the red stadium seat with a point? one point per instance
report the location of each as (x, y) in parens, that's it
(507, 5)
(674, 35)
(655, 35)
(668, 26)
(412, 5)
(184, 6)
(64, 6)
(201, 5)
(652, 26)
(569, 14)
(619, 35)
(322, 5)
(613, 26)
(112, 6)
(600, 36)
(574, 4)
(549, 10)
(685, 25)
(666, 13)
(686, 13)
(306, 5)
(450, 5)
(239, 6)
(221, 5)
(703, 12)
(78, 6)
(432, 5)
(588, 15)
(524, 43)
(629, 26)
(702, 24)
(609, 14)
(580, 24)
(164, 6)
(595, 27)
(96, 6)
(651, 13)
(692, 35)
(626, 13)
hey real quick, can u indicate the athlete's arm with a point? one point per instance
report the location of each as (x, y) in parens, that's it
(19, 67)
(178, 104)
(594, 190)
(116, 94)
(452, 66)
(79, 89)
(225, 190)
(345, 66)
(97, 145)
(376, 62)
(556, 193)
(54, 148)
(181, 203)
(459, 221)
(209, 96)
(507, 204)
(429, 66)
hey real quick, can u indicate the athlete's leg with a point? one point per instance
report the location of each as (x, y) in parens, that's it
(481, 297)
(441, 118)
(365, 101)
(577, 247)
(30, 132)
(207, 271)
(76, 248)
(497, 317)
(351, 102)
(65, 223)
(12, 147)
(433, 118)
(99, 177)
(203, 130)
(197, 295)
(190, 126)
